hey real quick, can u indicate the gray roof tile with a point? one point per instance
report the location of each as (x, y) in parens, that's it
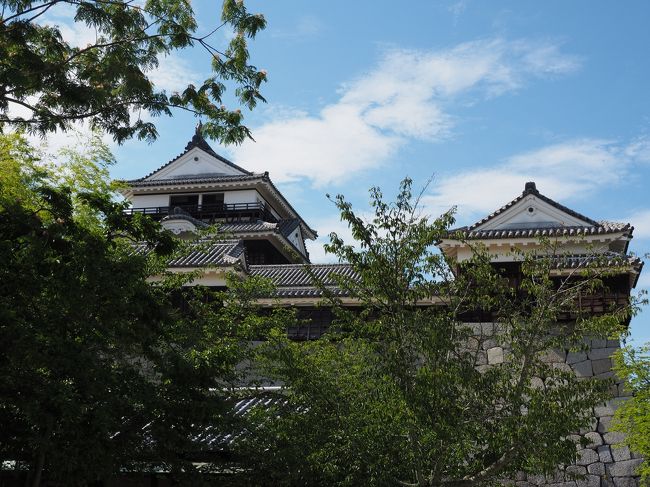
(204, 253)
(597, 229)
(245, 227)
(296, 275)
(295, 281)
(198, 179)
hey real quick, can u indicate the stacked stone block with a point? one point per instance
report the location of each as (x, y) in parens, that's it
(605, 462)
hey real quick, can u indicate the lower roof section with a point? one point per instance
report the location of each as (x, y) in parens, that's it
(305, 281)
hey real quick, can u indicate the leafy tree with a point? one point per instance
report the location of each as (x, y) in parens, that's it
(100, 373)
(108, 81)
(402, 391)
(633, 416)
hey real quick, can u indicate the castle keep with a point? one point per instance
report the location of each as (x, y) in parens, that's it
(261, 234)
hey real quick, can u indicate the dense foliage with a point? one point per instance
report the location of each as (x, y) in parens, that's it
(108, 81)
(439, 377)
(633, 416)
(99, 371)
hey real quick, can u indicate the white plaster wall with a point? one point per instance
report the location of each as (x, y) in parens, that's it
(149, 200)
(243, 196)
(502, 249)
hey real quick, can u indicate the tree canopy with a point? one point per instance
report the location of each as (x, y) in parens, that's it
(440, 376)
(107, 82)
(101, 372)
(633, 415)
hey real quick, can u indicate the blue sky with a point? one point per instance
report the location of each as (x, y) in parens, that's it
(482, 96)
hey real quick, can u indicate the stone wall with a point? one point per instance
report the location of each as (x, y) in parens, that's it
(605, 462)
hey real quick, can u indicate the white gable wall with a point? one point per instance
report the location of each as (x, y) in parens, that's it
(195, 163)
(295, 237)
(542, 214)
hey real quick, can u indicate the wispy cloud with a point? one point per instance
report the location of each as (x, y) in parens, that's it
(173, 74)
(562, 171)
(409, 94)
(641, 221)
(307, 26)
(457, 9)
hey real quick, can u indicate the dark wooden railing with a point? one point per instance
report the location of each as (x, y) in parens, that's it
(224, 211)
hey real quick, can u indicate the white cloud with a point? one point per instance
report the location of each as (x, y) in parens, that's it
(561, 171)
(641, 221)
(324, 227)
(408, 95)
(173, 74)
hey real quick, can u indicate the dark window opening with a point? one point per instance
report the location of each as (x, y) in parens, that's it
(213, 199)
(184, 200)
(314, 322)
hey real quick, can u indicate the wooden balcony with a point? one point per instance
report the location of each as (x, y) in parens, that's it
(228, 212)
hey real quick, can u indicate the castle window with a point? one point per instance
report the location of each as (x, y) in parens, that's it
(212, 199)
(184, 200)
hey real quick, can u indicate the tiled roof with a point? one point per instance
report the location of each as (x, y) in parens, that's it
(198, 179)
(215, 438)
(220, 178)
(294, 275)
(597, 229)
(294, 280)
(287, 225)
(246, 227)
(197, 141)
(529, 189)
(608, 259)
(204, 253)
(260, 227)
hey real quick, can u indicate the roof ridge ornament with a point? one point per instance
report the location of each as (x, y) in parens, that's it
(530, 188)
(198, 140)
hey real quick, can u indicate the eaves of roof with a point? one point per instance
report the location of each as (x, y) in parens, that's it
(221, 178)
(605, 260)
(198, 179)
(306, 228)
(261, 227)
(601, 228)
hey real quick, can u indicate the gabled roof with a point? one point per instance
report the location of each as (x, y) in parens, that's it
(578, 225)
(197, 141)
(531, 189)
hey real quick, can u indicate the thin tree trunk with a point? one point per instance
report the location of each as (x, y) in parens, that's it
(40, 459)
(38, 469)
